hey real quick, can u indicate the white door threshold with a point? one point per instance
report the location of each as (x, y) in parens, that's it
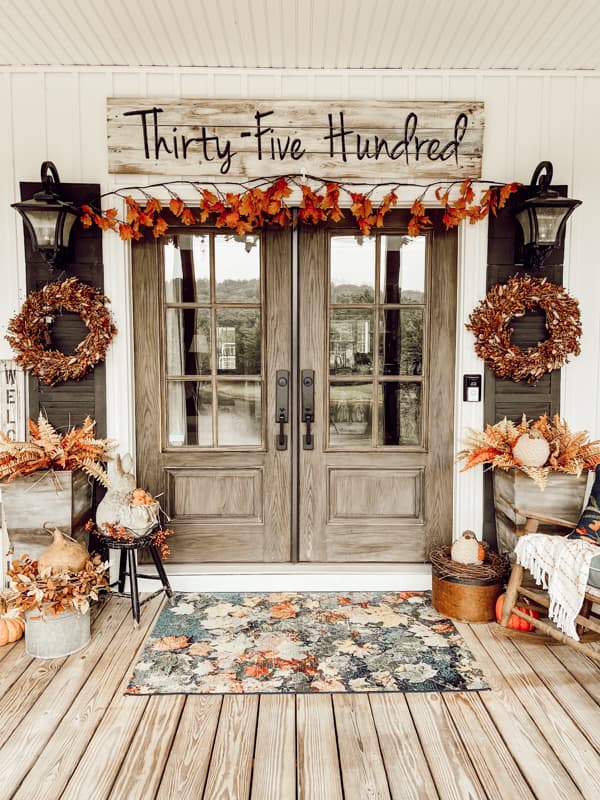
(293, 577)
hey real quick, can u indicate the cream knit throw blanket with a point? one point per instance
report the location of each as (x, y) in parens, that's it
(562, 566)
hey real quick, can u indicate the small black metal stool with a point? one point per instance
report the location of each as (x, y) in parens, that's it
(128, 559)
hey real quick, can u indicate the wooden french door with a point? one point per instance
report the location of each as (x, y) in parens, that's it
(211, 329)
(377, 327)
(369, 442)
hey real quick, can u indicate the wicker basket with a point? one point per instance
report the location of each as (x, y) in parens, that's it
(467, 592)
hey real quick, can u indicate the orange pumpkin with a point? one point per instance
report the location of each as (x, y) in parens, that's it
(514, 621)
(12, 624)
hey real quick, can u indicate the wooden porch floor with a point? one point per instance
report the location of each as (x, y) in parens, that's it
(67, 731)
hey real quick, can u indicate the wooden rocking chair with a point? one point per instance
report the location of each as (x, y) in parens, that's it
(588, 623)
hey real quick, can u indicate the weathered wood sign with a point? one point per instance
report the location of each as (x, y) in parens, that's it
(12, 400)
(374, 141)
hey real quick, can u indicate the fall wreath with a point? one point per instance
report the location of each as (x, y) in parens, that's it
(29, 332)
(490, 323)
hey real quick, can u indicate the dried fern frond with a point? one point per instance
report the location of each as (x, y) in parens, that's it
(48, 449)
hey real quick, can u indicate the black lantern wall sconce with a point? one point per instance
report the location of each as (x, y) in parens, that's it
(48, 219)
(543, 216)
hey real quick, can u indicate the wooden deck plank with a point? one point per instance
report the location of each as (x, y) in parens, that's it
(5, 649)
(585, 672)
(35, 729)
(408, 773)
(230, 768)
(574, 750)
(493, 762)
(274, 775)
(539, 764)
(573, 698)
(67, 676)
(13, 666)
(316, 749)
(98, 767)
(363, 772)
(449, 762)
(187, 766)
(58, 760)
(142, 768)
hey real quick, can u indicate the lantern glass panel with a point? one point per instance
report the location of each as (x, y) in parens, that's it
(44, 226)
(523, 218)
(549, 219)
(67, 223)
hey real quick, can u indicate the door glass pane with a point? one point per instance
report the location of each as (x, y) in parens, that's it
(350, 341)
(237, 269)
(239, 412)
(189, 413)
(188, 341)
(350, 414)
(352, 269)
(187, 269)
(403, 269)
(399, 413)
(401, 341)
(238, 341)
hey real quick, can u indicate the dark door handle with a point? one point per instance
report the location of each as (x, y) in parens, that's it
(308, 406)
(282, 390)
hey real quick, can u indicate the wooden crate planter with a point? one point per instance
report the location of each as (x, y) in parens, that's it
(562, 497)
(60, 499)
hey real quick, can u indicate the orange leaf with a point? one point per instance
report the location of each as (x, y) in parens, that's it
(160, 227)
(187, 217)
(176, 206)
(125, 232)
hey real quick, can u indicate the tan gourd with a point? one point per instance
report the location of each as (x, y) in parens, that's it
(12, 624)
(63, 555)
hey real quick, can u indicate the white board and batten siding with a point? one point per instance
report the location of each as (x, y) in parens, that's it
(60, 114)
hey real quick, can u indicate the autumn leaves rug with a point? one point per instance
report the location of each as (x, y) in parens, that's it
(304, 642)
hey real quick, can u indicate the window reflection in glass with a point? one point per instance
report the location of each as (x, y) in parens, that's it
(350, 414)
(401, 341)
(239, 413)
(352, 269)
(403, 269)
(189, 413)
(187, 269)
(350, 341)
(399, 413)
(188, 341)
(237, 269)
(238, 341)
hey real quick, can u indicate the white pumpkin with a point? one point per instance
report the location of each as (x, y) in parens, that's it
(468, 549)
(531, 449)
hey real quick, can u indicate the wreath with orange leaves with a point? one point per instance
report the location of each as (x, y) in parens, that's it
(490, 323)
(29, 332)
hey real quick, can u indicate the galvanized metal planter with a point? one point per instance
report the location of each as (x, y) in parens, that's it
(56, 636)
(61, 499)
(562, 497)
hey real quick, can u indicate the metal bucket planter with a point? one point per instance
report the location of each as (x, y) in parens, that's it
(56, 636)
(562, 497)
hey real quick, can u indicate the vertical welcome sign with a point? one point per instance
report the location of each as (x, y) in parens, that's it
(372, 141)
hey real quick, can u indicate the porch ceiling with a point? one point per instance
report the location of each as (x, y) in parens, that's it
(305, 34)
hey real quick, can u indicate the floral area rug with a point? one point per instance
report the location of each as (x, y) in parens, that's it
(288, 642)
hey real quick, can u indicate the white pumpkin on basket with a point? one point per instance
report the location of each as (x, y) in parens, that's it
(468, 549)
(125, 504)
(531, 449)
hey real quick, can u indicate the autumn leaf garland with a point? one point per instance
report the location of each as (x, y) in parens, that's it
(257, 207)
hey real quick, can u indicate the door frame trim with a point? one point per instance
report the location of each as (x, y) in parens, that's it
(120, 379)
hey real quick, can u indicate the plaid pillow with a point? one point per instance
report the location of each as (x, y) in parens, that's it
(588, 526)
